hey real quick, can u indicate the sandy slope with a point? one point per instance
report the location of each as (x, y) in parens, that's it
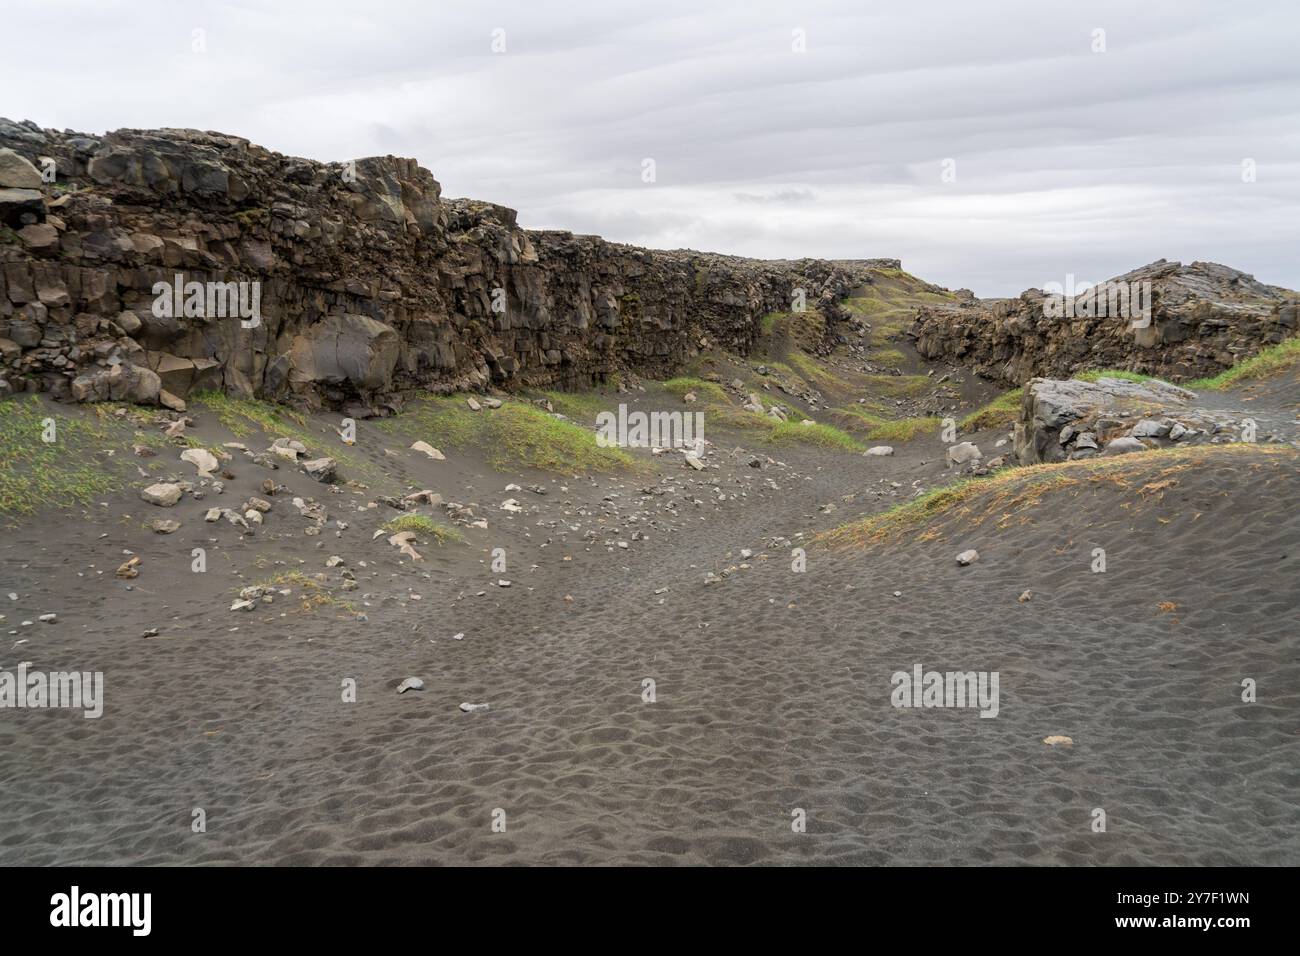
(773, 687)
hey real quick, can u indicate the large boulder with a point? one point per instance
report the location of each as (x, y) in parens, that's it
(345, 348)
(17, 173)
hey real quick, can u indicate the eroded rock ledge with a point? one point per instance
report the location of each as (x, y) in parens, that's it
(372, 285)
(1204, 318)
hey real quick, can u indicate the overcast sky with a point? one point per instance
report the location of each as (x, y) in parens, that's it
(1066, 160)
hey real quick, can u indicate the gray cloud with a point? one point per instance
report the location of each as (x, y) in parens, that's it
(1066, 160)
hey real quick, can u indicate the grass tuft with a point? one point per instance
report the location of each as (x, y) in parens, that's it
(1008, 494)
(425, 526)
(1271, 361)
(819, 435)
(1003, 410)
(515, 435)
(35, 473)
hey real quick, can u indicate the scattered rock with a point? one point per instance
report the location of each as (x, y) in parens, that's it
(1058, 740)
(968, 557)
(880, 450)
(164, 525)
(429, 450)
(473, 708)
(322, 469)
(411, 683)
(963, 452)
(164, 494)
(202, 459)
(1123, 446)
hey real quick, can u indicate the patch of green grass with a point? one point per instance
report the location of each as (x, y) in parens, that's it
(704, 391)
(424, 526)
(243, 416)
(520, 434)
(313, 595)
(729, 416)
(1271, 361)
(818, 434)
(515, 435)
(1006, 496)
(904, 429)
(886, 356)
(580, 406)
(1003, 410)
(35, 473)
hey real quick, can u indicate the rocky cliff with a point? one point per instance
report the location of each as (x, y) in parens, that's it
(1202, 318)
(367, 284)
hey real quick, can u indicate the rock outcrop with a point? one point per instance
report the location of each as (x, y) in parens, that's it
(1073, 419)
(348, 285)
(1203, 318)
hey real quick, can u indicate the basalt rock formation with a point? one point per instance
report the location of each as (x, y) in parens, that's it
(1067, 420)
(370, 286)
(1204, 317)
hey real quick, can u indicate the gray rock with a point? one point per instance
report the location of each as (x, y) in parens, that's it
(163, 494)
(411, 683)
(322, 469)
(968, 557)
(473, 708)
(17, 173)
(963, 452)
(1123, 446)
(880, 450)
(1149, 428)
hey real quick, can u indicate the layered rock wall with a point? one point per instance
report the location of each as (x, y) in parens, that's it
(371, 286)
(1204, 317)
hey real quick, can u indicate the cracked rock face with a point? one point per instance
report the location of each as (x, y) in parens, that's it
(1204, 317)
(372, 286)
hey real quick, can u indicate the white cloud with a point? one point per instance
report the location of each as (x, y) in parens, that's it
(1067, 160)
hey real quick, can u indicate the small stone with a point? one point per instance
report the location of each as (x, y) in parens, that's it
(1058, 739)
(1123, 446)
(48, 618)
(968, 557)
(1025, 597)
(322, 469)
(472, 708)
(880, 450)
(473, 405)
(202, 459)
(164, 494)
(164, 525)
(411, 683)
(429, 450)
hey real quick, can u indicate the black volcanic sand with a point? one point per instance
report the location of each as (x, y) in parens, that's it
(772, 687)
